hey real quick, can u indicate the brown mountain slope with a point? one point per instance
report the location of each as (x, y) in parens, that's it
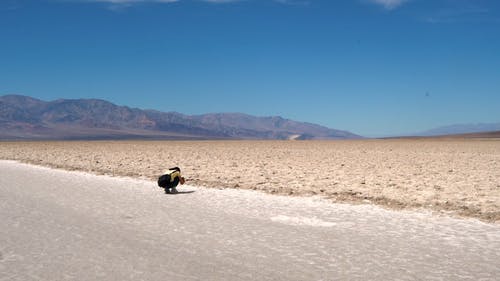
(24, 117)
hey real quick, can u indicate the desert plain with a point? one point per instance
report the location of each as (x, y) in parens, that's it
(457, 177)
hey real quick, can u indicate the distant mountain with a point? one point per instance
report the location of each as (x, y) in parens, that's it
(23, 117)
(461, 129)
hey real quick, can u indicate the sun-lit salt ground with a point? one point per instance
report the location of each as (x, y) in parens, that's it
(58, 225)
(461, 176)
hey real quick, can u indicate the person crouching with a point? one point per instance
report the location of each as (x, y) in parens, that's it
(171, 179)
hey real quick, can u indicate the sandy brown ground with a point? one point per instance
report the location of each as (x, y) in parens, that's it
(457, 175)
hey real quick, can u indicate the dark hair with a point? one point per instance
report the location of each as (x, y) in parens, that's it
(176, 169)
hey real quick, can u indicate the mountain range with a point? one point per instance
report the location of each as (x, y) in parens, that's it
(461, 129)
(23, 117)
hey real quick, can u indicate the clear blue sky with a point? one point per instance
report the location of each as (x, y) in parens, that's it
(373, 67)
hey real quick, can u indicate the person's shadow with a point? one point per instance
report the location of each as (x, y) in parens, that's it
(181, 192)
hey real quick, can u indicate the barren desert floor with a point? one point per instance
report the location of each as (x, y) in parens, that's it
(454, 176)
(78, 226)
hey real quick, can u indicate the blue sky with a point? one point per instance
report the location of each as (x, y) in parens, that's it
(373, 67)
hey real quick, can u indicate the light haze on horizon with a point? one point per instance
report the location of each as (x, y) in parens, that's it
(372, 67)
